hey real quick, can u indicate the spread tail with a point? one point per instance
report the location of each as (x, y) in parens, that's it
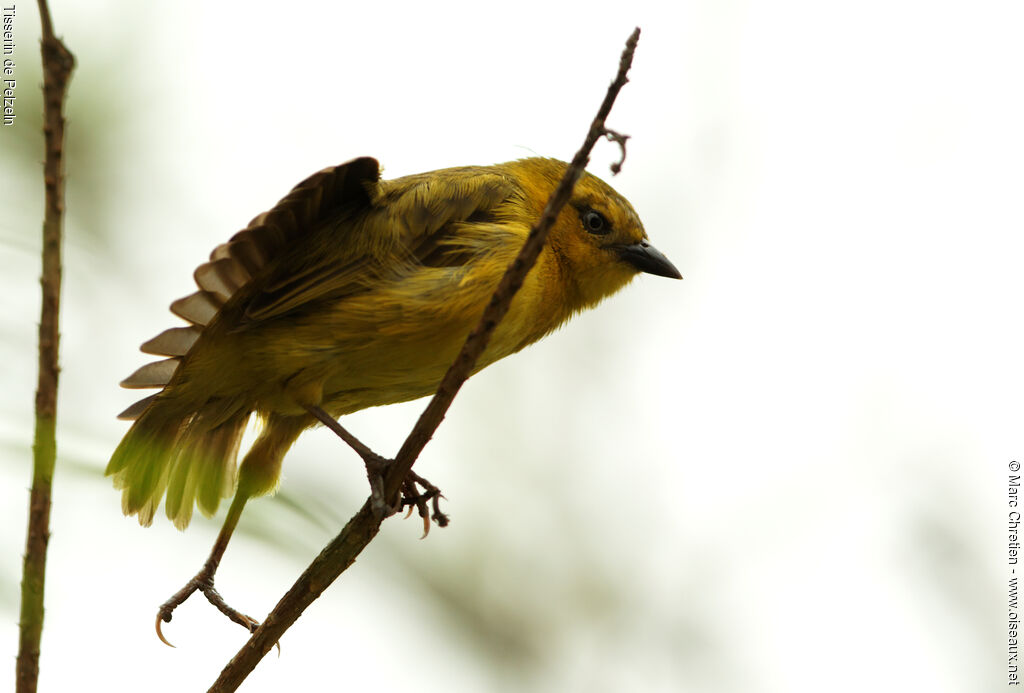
(192, 458)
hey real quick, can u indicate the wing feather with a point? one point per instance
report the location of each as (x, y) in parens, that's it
(175, 341)
(251, 253)
(406, 218)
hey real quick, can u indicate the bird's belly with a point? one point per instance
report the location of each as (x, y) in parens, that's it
(387, 371)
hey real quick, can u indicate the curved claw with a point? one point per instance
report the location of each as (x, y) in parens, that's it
(159, 633)
(252, 624)
(426, 526)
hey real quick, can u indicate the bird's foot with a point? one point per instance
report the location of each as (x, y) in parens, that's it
(416, 493)
(202, 582)
(413, 497)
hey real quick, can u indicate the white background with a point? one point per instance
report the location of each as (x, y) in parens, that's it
(785, 473)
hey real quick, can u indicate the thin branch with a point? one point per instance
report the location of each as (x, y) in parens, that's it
(477, 341)
(364, 525)
(57, 65)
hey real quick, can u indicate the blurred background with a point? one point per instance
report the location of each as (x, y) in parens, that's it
(784, 473)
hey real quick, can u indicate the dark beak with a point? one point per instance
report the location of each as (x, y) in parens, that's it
(646, 258)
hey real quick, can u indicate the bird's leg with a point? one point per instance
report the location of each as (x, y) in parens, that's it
(203, 580)
(375, 468)
(375, 464)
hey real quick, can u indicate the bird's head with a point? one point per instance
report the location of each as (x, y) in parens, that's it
(598, 238)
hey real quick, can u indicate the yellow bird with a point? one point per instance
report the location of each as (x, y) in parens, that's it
(354, 292)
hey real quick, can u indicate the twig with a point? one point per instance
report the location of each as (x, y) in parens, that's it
(364, 525)
(477, 341)
(57, 65)
(619, 139)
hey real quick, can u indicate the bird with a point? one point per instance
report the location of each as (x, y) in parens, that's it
(354, 292)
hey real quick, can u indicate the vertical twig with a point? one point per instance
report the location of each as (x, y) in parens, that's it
(341, 553)
(57, 65)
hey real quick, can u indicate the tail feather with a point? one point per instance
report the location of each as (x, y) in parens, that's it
(218, 481)
(139, 464)
(148, 509)
(189, 450)
(203, 468)
(192, 458)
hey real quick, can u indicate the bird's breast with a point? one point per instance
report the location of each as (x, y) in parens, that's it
(396, 343)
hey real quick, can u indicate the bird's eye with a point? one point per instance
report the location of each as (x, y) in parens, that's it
(594, 222)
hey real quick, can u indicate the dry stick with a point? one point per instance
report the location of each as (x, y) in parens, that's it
(363, 527)
(57, 65)
(475, 344)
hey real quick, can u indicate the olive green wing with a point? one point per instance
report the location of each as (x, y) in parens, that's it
(325, 240)
(403, 221)
(240, 265)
